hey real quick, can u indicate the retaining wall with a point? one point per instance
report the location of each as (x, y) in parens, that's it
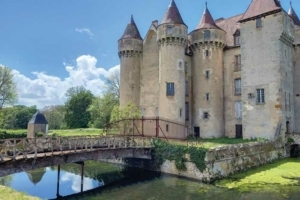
(227, 160)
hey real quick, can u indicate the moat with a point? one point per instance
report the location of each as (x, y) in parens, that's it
(279, 180)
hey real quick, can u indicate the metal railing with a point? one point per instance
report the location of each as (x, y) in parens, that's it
(12, 149)
(150, 127)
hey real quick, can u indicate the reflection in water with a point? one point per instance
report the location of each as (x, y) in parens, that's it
(35, 176)
(129, 184)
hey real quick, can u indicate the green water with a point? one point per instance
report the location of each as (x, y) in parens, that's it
(276, 181)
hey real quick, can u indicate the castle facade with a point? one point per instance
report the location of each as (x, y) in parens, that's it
(236, 77)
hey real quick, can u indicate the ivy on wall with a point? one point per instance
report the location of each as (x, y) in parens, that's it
(164, 151)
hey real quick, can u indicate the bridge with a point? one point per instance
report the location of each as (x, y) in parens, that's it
(18, 155)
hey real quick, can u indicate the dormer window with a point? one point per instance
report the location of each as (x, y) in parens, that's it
(206, 34)
(236, 36)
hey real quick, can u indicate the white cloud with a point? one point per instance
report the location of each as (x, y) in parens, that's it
(76, 182)
(84, 30)
(45, 90)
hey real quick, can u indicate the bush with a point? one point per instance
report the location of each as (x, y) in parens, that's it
(7, 135)
(39, 134)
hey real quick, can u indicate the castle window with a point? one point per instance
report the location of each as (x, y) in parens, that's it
(167, 127)
(186, 88)
(207, 73)
(207, 53)
(238, 86)
(185, 67)
(180, 112)
(170, 89)
(236, 36)
(187, 112)
(180, 66)
(205, 115)
(169, 30)
(206, 35)
(258, 23)
(238, 63)
(260, 99)
(238, 109)
(207, 96)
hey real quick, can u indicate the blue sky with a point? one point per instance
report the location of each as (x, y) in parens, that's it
(43, 39)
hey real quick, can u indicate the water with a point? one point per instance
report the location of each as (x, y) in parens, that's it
(108, 181)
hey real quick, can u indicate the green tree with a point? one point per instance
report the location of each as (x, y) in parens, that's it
(77, 114)
(121, 117)
(54, 116)
(8, 88)
(101, 109)
(113, 84)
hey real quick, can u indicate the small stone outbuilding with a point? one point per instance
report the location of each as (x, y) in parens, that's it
(38, 123)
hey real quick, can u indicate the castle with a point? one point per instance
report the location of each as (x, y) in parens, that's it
(236, 77)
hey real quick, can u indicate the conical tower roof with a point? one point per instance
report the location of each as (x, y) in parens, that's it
(131, 31)
(172, 15)
(293, 15)
(207, 22)
(38, 118)
(259, 8)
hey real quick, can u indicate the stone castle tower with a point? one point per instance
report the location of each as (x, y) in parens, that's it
(235, 77)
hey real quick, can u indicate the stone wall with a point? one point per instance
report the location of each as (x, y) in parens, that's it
(224, 161)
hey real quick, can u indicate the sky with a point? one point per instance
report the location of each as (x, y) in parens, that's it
(52, 45)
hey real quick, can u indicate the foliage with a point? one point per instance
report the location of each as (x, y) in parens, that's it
(79, 100)
(123, 117)
(164, 151)
(113, 84)
(54, 116)
(100, 110)
(290, 140)
(17, 117)
(5, 134)
(8, 88)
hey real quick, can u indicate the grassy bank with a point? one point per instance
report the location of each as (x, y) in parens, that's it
(10, 194)
(281, 177)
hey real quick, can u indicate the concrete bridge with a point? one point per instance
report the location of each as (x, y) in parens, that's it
(18, 155)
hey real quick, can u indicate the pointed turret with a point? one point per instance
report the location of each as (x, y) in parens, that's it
(293, 15)
(172, 15)
(207, 22)
(260, 8)
(131, 31)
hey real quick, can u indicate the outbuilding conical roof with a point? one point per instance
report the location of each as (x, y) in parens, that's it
(38, 118)
(259, 8)
(207, 22)
(293, 15)
(131, 31)
(172, 15)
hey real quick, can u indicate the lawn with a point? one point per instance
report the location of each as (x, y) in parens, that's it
(10, 194)
(210, 143)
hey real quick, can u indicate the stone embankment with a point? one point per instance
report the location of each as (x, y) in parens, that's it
(227, 160)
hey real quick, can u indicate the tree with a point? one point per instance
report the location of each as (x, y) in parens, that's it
(54, 116)
(101, 109)
(8, 88)
(113, 83)
(79, 100)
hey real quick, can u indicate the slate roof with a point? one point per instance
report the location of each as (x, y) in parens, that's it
(207, 22)
(294, 16)
(172, 15)
(230, 25)
(131, 31)
(259, 8)
(38, 118)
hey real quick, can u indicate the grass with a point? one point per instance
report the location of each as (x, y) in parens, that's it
(10, 194)
(280, 177)
(210, 143)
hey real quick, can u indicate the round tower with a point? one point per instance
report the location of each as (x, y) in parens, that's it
(172, 38)
(207, 42)
(130, 48)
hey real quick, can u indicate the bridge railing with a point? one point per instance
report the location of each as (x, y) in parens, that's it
(12, 149)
